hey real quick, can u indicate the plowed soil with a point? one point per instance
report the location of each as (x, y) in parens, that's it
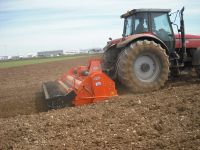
(164, 119)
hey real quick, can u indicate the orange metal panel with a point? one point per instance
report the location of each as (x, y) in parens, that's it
(92, 87)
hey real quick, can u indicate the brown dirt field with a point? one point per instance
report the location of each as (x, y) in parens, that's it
(21, 87)
(165, 119)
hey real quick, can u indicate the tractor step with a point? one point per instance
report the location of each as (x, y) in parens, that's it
(58, 95)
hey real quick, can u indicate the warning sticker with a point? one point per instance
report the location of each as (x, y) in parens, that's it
(98, 83)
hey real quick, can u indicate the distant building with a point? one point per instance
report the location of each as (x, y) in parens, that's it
(30, 55)
(50, 53)
(91, 50)
(15, 57)
(71, 52)
(83, 51)
(95, 50)
(3, 57)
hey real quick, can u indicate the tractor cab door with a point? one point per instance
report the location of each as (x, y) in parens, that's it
(161, 27)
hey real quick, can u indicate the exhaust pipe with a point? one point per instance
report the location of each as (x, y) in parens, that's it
(182, 30)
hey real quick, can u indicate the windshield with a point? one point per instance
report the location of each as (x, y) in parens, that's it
(138, 23)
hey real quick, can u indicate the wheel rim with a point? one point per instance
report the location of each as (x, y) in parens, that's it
(147, 67)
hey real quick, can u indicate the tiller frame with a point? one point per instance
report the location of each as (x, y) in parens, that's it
(79, 86)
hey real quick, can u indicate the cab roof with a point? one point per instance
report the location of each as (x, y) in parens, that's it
(129, 13)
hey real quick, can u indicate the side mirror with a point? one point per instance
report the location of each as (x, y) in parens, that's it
(110, 38)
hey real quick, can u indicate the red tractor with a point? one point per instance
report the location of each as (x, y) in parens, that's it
(149, 51)
(142, 60)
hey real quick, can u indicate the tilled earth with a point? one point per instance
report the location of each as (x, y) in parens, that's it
(165, 119)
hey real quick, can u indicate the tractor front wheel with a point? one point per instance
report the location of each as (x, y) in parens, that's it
(143, 66)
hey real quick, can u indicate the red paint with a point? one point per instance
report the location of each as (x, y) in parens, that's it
(135, 36)
(192, 41)
(115, 41)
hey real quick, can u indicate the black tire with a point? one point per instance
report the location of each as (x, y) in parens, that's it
(109, 60)
(174, 72)
(197, 68)
(154, 58)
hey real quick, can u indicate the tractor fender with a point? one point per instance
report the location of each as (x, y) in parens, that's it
(196, 57)
(109, 46)
(133, 38)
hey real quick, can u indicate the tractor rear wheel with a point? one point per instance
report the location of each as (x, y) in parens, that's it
(143, 66)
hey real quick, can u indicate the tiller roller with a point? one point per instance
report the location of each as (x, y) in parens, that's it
(80, 85)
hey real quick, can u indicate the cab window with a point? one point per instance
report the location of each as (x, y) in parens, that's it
(161, 27)
(160, 22)
(138, 23)
(128, 26)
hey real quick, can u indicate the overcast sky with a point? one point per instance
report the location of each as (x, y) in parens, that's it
(28, 26)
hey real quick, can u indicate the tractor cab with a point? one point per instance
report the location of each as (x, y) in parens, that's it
(152, 21)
